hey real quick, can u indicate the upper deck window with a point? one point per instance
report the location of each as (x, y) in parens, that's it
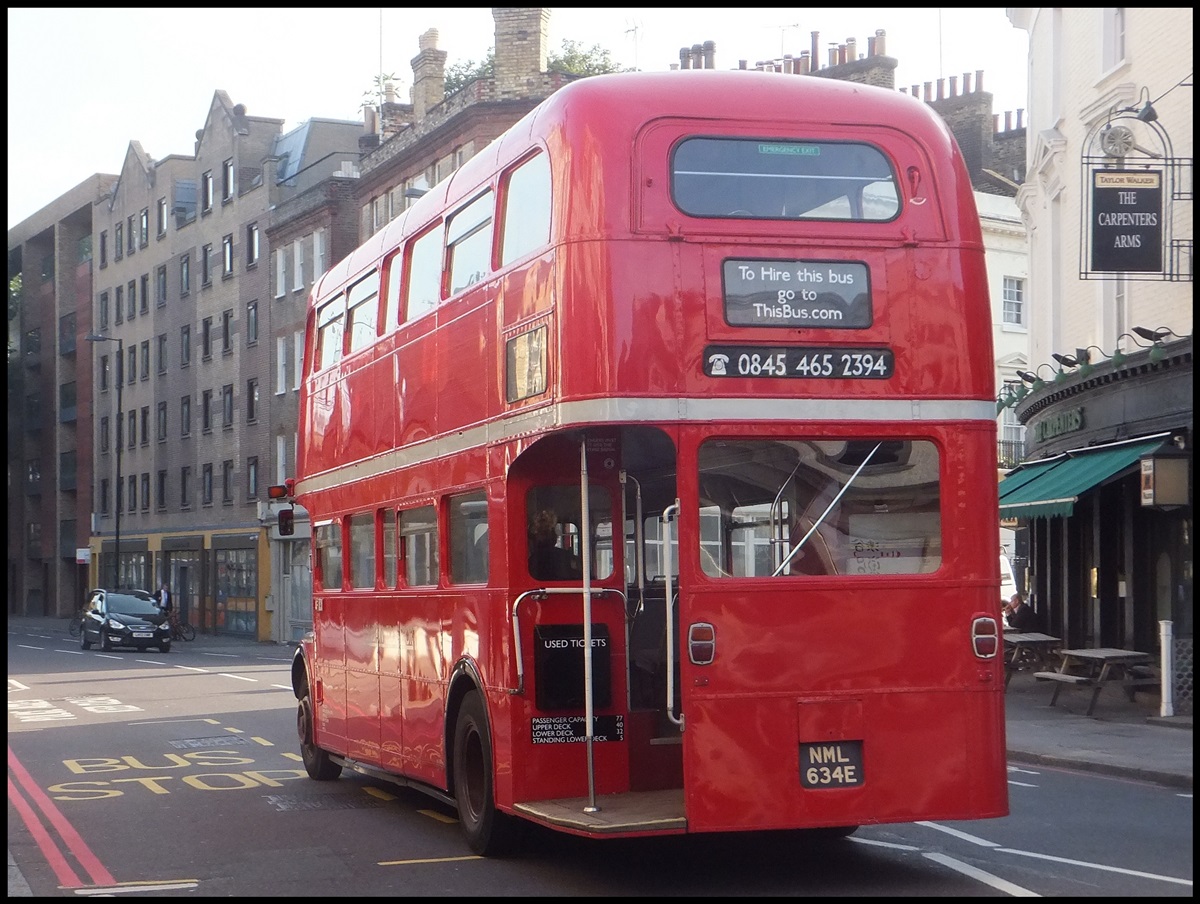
(770, 179)
(469, 243)
(331, 320)
(363, 311)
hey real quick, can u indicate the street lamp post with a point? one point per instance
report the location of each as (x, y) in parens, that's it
(119, 376)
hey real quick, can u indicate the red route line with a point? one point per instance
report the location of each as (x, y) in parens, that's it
(74, 842)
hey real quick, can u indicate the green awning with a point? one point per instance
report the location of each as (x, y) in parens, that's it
(1050, 488)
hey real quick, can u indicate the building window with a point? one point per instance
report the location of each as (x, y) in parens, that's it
(251, 400)
(103, 315)
(185, 274)
(206, 485)
(280, 274)
(162, 353)
(131, 370)
(1113, 54)
(318, 254)
(185, 416)
(145, 359)
(161, 495)
(206, 411)
(161, 222)
(160, 286)
(227, 180)
(144, 306)
(145, 425)
(206, 188)
(206, 265)
(105, 492)
(252, 247)
(252, 477)
(227, 405)
(118, 242)
(227, 481)
(185, 345)
(104, 369)
(252, 323)
(146, 491)
(144, 227)
(132, 501)
(1014, 301)
(281, 350)
(119, 304)
(104, 248)
(206, 338)
(185, 487)
(297, 265)
(104, 431)
(227, 255)
(131, 430)
(162, 422)
(227, 332)
(131, 298)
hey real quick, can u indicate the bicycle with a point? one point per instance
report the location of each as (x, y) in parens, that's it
(75, 623)
(181, 630)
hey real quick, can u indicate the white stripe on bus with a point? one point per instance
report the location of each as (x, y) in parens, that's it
(653, 411)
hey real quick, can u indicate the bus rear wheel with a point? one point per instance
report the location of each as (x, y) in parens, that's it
(488, 832)
(317, 762)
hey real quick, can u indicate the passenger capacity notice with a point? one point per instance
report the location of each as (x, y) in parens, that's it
(570, 729)
(811, 362)
(792, 293)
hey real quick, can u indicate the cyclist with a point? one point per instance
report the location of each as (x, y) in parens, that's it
(163, 597)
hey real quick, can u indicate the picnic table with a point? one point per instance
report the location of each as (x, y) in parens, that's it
(1028, 649)
(1099, 667)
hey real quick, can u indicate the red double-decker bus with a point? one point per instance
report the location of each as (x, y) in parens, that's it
(650, 461)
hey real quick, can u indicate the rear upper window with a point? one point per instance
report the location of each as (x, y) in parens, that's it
(770, 179)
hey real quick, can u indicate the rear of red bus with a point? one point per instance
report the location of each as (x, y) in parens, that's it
(774, 354)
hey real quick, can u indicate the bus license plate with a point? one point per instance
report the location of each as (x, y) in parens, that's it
(809, 362)
(831, 764)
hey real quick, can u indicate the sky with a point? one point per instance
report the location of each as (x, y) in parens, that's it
(83, 83)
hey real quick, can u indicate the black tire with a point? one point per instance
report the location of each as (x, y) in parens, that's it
(488, 832)
(317, 762)
(186, 631)
(105, 644)
(165, 646)
(831, 833)
(84, 643)
(74, 626)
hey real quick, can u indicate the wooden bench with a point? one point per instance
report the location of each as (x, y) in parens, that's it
(1064, 678)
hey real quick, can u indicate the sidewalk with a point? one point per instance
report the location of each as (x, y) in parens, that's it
(1121, 738)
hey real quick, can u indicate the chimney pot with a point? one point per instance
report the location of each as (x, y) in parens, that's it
(1020, 117)
(966, 83)
(941, 88)
(978, 79)
(815, 55)
(1007, 120)
(954, 86)
(928, 92)
(881, 42)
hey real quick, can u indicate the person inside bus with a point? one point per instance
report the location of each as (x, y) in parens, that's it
(1019, 615)
(547, 560)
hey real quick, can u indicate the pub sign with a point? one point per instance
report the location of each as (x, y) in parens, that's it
(1127, 221)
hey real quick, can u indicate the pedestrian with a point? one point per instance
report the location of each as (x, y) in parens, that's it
(164, 598)
(1019, 615)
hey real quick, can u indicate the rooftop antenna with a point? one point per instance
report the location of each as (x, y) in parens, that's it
(634, 29)
(783, 35)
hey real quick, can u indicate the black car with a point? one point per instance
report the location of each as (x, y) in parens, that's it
(124, 618)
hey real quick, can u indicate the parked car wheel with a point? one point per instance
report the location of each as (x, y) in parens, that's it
(84, 643)
(165, 647)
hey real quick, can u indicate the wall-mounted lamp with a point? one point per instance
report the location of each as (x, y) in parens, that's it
(1147, 113)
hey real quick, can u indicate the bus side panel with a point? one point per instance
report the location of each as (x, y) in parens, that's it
(329, 667)
(362, 676)
(391, 684)
(466, 327)
(424, 620)
(370, 399)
